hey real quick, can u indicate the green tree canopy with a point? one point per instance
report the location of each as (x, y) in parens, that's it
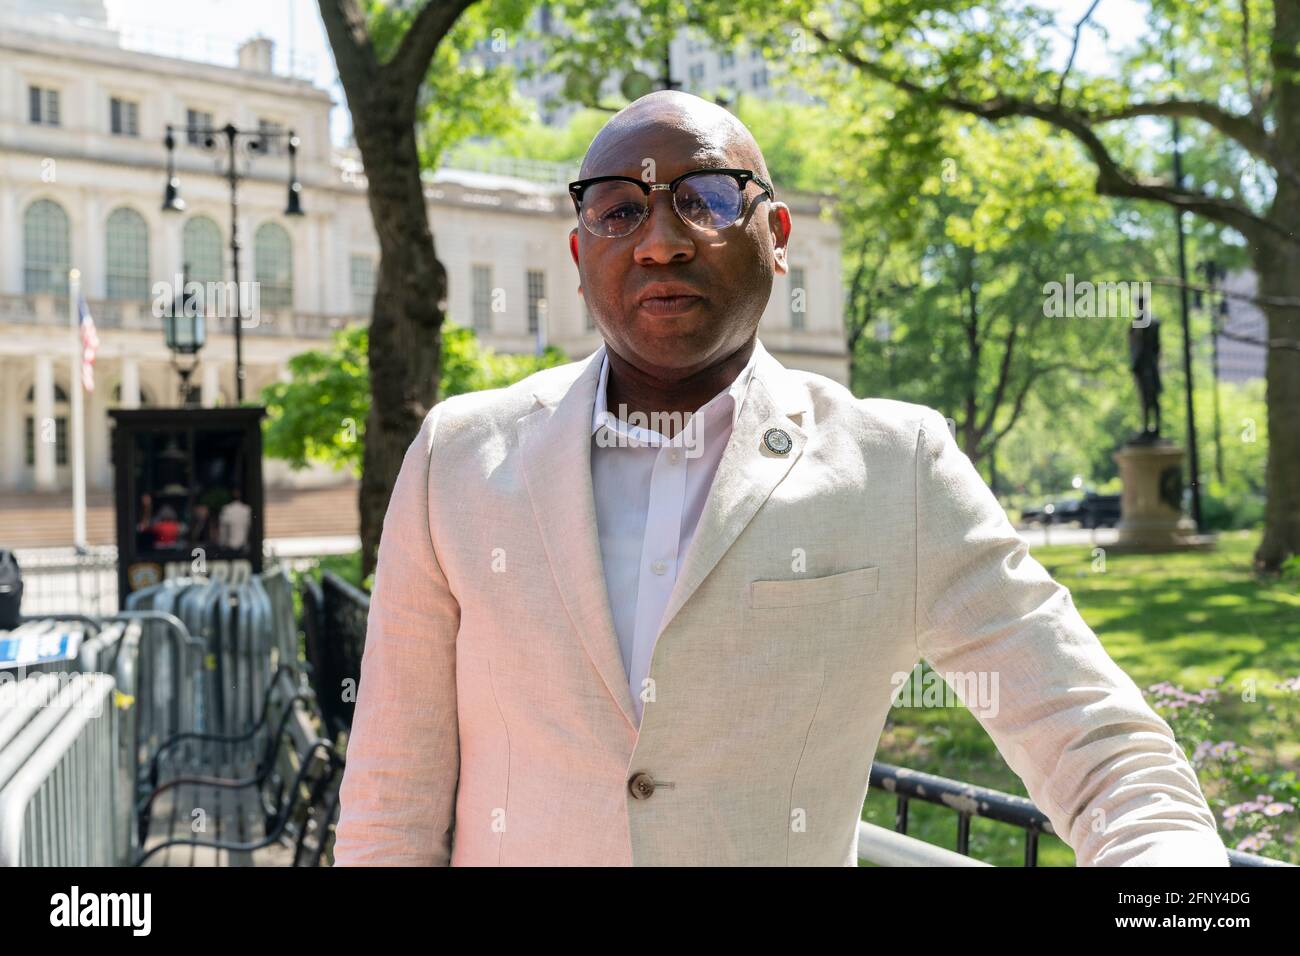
(319, 415)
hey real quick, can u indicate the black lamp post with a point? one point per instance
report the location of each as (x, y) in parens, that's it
(253, 142)
(1193, 453)
(185, 330)
(1218, 313)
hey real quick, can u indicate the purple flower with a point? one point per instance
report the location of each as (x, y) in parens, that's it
(1256, 841)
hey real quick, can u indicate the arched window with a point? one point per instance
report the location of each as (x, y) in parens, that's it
(60, 396)
(146, 398)
(60, 428)
(45, 248)
(273, 265)
(127, 255)
(203, 257)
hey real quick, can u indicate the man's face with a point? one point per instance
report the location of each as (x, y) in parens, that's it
(729, 272)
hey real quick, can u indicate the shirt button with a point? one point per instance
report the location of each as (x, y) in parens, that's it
(642, 785)
(674, 456)
(659, 567)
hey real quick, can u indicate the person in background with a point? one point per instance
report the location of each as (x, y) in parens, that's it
(202, 532)
(235, 520)
(167, 529)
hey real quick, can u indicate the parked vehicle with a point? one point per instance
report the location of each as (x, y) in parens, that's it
(1099, 511)
(1090, 511)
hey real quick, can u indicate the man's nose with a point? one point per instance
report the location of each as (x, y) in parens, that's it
(663, 237)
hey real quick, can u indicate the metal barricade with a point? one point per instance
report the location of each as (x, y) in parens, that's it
(238, 638)
(59, 581)
(279, 591)
(98, 654)
(58, 745)
(46, 645)
(188, 655)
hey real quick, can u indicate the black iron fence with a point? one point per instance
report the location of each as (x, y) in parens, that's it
(334, 627)
(969, 801)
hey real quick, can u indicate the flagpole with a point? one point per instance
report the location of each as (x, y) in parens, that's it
(78, 416)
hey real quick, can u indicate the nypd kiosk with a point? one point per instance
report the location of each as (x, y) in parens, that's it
(188, 492)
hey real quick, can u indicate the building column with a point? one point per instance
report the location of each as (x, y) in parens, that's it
(99, 474)
(11, 467)
(315, 303)
(94, 252)
(11, 242)
(44, 430)
(211, 384)
(170, 244)
(130, 383)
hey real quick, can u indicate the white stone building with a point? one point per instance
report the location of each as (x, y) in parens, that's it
(82, 175)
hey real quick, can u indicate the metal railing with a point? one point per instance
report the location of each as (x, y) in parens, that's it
(969, 801)
(882, 847)
(334, 616)
(66, 580)
(58, 747)
(47, 309)
(141, 36)
(558, 175)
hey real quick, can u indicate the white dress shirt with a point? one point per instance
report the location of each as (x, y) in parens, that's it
(650, 492)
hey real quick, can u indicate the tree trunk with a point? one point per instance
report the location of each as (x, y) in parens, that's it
(407, 318)
(1277, 261)
(1278, 264)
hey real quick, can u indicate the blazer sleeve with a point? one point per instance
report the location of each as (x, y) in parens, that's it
(397, 797)
(1095, 757)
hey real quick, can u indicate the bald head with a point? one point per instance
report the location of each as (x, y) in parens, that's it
(665, 112)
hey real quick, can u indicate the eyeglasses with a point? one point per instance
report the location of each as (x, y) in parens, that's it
(706, 199)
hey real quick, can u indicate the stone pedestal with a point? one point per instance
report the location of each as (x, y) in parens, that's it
(1152, 518)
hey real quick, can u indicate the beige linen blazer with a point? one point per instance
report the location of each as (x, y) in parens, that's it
(494, 724)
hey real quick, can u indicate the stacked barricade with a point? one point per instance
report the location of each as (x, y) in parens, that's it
(241, 634)
(86, 703)
(58, 747)
(253, 770)
(94, 797)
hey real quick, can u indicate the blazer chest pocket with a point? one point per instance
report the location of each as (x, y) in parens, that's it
(823, 590)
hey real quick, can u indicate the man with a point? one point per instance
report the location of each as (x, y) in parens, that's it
(234, 522)
(596, 642)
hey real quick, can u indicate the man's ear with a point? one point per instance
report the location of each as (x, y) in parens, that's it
(573, 244)
(778, 220)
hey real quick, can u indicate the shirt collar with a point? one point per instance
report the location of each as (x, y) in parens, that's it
(729, 399)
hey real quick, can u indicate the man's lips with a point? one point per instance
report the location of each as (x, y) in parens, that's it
(670, 304)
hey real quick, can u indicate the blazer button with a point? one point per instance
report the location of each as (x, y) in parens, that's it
(642, 785)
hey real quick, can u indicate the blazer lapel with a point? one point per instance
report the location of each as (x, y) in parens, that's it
(746, 474)
(555, 448)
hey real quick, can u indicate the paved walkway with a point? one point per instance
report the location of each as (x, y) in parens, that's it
(30, 520)
(1037, 536)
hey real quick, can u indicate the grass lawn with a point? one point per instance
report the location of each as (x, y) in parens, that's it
(1182, 618)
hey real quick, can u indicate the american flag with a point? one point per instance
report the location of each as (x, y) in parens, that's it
(89, 344)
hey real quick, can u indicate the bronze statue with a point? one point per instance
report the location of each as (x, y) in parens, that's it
(1144, 359)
